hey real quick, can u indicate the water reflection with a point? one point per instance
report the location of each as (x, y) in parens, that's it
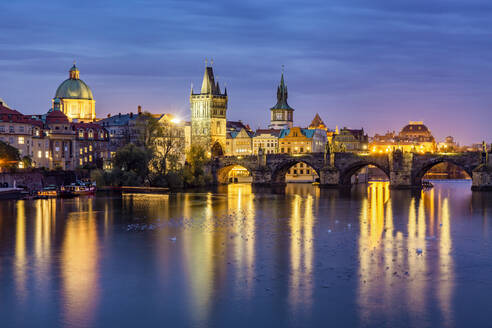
(80, 261)
(238, 257)
(301, 253)
(395, 262)
(20, 252)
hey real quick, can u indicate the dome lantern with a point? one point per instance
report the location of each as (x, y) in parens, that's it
(74, 72)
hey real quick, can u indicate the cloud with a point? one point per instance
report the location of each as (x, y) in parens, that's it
(377, 63)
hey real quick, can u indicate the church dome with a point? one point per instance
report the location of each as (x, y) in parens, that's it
(74, 87)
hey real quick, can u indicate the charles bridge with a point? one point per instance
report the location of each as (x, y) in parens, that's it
(404, 170)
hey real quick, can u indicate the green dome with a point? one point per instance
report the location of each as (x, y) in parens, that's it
(73, 89)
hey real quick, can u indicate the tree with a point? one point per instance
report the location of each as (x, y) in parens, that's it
(26, 161)
(132, 161)
(168, 148)
(194, 173)
(9, 156)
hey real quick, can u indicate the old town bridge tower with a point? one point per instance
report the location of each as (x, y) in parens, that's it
(208, 114)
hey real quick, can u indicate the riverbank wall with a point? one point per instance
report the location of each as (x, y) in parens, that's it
(36, 179)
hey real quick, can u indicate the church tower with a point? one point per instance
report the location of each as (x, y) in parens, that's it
(208, 115)
(281, 115)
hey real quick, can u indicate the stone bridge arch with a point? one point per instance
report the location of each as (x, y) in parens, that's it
(423, 163)
(280, 164)
(222, 166)
(348, 164)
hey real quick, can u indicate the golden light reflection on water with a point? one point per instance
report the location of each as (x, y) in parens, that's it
(20, 251)
(301, 253)
(393, 264)
(198, 250)
(240, 207)
(80, 265)
(44, 223)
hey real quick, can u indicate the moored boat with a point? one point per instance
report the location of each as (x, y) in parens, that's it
(78, 188)
(48, 192)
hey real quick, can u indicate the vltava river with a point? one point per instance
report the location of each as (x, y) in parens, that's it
(238, 257)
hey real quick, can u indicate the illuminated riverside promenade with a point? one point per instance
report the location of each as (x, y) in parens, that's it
(235, 257)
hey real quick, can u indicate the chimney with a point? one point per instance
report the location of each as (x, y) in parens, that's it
(119, 114)
(139, 109)
(131, 114)
(109, 115)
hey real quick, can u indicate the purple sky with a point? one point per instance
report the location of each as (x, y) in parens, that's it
(373, 64)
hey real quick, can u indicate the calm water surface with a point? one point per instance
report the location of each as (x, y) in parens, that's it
(238, 257)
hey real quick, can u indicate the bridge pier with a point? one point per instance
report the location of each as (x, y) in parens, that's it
(261, 176)
(329, 177)
(482, 178)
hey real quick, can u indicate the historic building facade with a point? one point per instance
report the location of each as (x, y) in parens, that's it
(266, 140)
(281, 115)
(350, 140)
(239, 139)
(52, 141)
(413, 137)
(208, 115)
(75, 97)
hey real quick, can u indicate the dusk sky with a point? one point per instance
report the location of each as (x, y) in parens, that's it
(372, 64)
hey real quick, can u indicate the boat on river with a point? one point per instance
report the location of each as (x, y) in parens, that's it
(48, 192)
(79, 188)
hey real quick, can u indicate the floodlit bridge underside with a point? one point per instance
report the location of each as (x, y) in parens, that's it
(404, 170)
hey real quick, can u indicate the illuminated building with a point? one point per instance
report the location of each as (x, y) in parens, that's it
(300, 141)
(16, 129)
(208, 115)
(118, 127)
(76, 100)
(52, 141)
(414, 137)
(267, 140)
(448, 145)
(350, 140)
(317, 123)
(281, 115)
(239, 139)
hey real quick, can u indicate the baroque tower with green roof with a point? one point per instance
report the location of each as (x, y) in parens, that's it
(208, 115)
(281, 115)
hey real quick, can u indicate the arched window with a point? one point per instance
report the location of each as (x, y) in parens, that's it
(81, 134)
(91, 134)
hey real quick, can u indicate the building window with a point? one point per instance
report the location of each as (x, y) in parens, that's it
(308, 172)
(2, 129)
(90, 147)
(21, 128)
(20, 140)
(81, 162)
(81, 151)
(11, 129)
(91, 134)
(40, 154)
(295, 171)
(46, 154)
(301, 171)
(90, 158)
(81, 134)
